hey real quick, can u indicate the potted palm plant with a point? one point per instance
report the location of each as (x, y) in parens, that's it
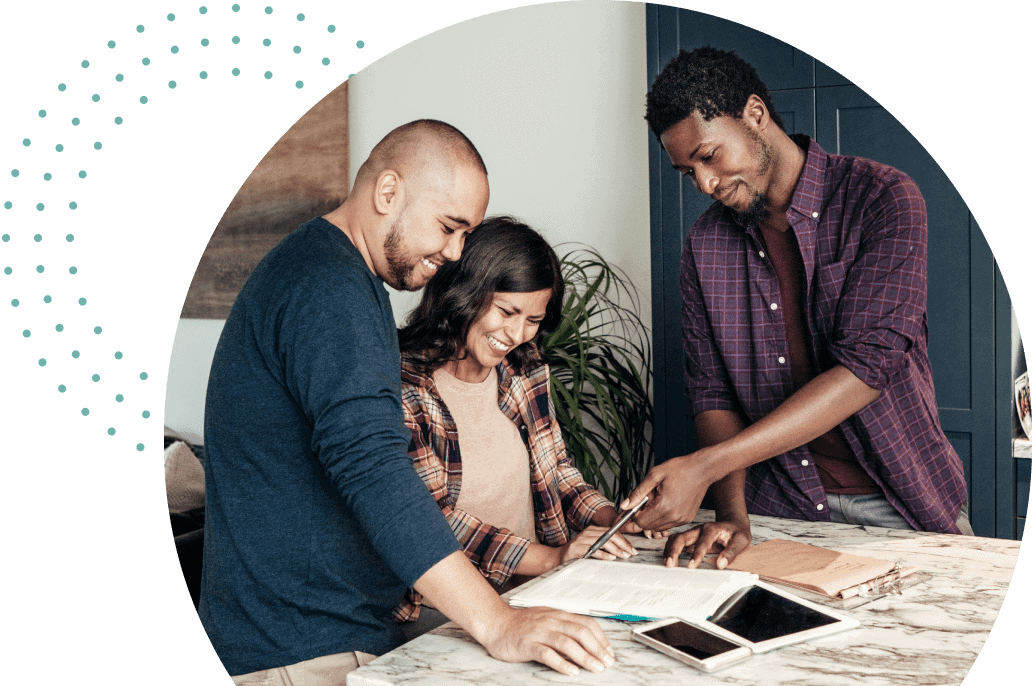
(601, 368)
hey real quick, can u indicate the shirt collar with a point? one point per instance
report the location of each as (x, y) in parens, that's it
(410, 373)
(808, 194)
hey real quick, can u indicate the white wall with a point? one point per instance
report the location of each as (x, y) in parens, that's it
(552, 96)
(192, 352)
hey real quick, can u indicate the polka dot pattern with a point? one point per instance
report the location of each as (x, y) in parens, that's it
(97, 83)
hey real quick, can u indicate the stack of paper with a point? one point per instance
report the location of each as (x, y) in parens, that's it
(599, 588)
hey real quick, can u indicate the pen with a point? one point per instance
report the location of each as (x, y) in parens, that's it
(622, 520)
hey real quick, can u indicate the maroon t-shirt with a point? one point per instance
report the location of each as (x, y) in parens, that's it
(836, 464)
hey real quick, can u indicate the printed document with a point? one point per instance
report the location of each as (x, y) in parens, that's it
(600, 588)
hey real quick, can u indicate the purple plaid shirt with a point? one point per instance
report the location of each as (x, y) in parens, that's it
(861, 227)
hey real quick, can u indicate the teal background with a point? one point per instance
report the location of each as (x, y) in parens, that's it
(93, 577)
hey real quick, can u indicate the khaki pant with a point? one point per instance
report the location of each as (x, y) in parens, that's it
(327, 670)
(873, 509)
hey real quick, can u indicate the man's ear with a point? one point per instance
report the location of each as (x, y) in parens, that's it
(755, 114)
(386, 192)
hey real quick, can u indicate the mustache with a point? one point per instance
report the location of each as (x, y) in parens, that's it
(721, 194)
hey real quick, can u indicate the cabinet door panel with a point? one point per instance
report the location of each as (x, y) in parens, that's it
(779, 64)
(673, 430)
(797, 109)
(827, 76)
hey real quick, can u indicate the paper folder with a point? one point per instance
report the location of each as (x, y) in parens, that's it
(819, 570)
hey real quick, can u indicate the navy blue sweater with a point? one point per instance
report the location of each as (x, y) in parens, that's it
(315, 521)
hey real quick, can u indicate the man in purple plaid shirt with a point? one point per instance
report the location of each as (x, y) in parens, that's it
(804, 327)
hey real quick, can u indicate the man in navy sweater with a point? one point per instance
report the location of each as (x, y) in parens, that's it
(316, 522)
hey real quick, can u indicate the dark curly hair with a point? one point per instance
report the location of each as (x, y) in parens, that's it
(707, 80)
(501, 256)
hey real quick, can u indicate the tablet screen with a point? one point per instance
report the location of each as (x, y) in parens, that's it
(760, 615)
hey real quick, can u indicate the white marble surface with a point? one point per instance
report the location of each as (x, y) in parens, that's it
(929, 635)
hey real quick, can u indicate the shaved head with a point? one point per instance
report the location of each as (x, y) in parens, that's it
(416, 197)
(424, 152)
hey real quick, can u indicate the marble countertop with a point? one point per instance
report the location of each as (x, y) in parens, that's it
(930, 634)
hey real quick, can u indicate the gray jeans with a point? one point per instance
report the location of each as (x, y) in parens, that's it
(873, 509)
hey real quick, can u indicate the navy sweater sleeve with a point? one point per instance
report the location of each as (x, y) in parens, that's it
(339, 353)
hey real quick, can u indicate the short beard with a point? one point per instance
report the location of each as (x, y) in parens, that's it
(399, 271)
(755, 212)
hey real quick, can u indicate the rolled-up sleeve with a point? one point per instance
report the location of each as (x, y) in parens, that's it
(881, 310)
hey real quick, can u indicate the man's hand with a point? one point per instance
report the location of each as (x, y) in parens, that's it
(680, 484)
(617, 546)
(731, 537)
(606, 516)
(559, 640)
(728, 445)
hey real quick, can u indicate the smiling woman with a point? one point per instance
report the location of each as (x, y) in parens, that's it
(503, 260)
(474, 382)
(511, 320)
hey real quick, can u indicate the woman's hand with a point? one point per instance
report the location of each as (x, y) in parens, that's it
(616, 547)
(632, 528)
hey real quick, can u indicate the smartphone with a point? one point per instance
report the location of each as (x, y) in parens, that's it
(691, 644)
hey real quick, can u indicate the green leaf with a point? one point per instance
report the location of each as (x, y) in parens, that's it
(601, 372)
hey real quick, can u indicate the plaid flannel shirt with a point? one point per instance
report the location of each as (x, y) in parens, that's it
(861, 228)
(560, 496)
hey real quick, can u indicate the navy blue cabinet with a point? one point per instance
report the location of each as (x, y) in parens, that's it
(967, 302)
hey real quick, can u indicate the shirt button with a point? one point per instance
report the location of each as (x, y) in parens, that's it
(761, 253)
(816, 216)
(782, 360)
(774, 306)
(804, 463)
(819, 506)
